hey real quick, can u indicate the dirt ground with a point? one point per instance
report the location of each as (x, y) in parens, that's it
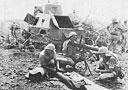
(14, 66)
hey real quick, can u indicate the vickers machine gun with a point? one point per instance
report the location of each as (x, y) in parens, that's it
(83, 51)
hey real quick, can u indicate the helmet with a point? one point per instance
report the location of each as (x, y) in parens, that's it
(115, 20)
(72, 33)
(50, 46)
(103, 49)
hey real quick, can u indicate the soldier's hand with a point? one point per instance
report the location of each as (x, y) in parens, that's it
(60, 70)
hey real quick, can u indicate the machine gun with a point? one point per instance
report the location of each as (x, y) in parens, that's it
(87, 47)
(80, 51)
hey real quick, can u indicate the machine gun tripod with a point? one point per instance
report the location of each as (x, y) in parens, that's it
(84, 55)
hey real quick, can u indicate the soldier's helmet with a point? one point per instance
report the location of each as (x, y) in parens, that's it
(50, 46)
(114, 20)
(72, 34)
(102, 49)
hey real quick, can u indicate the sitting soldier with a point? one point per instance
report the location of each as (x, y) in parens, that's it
(68, 49)
(49, 67)
(47, 57)
(107, 65)
(71, 48)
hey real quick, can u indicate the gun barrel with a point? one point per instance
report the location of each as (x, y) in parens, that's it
(90, 47)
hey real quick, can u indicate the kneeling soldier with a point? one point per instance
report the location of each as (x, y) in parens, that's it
(107, 65)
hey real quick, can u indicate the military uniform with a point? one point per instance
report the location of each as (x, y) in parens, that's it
(115, 31)
(106, 64)
(70, 50)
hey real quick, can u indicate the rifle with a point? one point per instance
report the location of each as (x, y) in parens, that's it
(50, 69)
(80, 41)
(83, 54)
(87, 17)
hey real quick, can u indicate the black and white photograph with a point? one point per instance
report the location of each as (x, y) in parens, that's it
(64, 45)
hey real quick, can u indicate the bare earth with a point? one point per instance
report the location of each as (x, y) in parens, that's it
(13, 67)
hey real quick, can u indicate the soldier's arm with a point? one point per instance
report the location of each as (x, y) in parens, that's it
(44, 65)
(42, 60)
(85, 46)
(58, 66)
(90, 47)
(49, 68)
(102, 71)
(106, 71)
(74, 44)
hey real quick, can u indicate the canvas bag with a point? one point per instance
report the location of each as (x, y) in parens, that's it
(36, 74)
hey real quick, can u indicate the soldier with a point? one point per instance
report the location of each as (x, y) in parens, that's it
(47, 59)
(2, 40)
(49, 67)
(71, 48)
(125, 26)
(124, 34)
(107, 65)
(115, 29)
